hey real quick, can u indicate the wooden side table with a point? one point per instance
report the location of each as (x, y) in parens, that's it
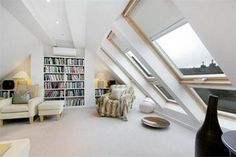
(229, 140)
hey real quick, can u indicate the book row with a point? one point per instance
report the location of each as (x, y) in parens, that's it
(52, 61)
(75, 77)
(75, 92)
(74, 69)
(53, 85)
(57, 69)
(54, 77)
(74, 102)
(99, 92)
(52, 94)
(74, 61)
(75, 84)
(6, 94)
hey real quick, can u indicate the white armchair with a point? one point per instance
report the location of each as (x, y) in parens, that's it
(117, 106)
(13, 111)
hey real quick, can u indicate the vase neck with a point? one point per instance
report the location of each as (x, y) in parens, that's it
(211, 119)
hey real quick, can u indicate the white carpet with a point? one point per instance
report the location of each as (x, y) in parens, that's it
(81, 133)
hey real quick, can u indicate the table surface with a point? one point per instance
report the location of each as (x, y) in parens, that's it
(229, 140)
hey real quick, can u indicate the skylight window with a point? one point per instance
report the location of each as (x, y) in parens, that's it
(226, 98)
(137, 63)
(164, 93)
(187, 52)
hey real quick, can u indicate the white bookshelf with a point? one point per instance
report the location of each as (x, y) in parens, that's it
(6, 93)
(64, 80)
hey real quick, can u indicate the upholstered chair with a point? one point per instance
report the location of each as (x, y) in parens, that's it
(116, 103)
(8, 110)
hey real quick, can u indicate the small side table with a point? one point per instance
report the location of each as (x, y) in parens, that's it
(229, 140)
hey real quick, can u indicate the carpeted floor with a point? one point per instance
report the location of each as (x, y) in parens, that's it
(81, 133)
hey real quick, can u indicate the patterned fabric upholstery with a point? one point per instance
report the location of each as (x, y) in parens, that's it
(116, 108)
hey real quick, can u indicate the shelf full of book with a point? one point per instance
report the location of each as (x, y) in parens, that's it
(64, 80)
(6, 93)
(99, 92)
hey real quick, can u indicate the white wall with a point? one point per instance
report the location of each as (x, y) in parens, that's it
(37, 62)
(18, 44)
(101, 67)
(89, 78)
(153, 16)
(25, 65)
(214, 21)
(100, 14)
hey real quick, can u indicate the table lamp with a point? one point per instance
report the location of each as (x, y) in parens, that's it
(21, 76)
(100, 77)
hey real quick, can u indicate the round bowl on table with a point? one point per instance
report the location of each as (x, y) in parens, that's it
(155, 122)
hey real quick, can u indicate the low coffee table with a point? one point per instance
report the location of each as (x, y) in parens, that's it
(155, 122)
(229, 140)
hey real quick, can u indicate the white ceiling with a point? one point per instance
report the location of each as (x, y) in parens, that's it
(67, 23)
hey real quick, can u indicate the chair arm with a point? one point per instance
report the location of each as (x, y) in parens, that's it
(105, 95)
(102, 97)
(5, 102)
(32, 104)
(127, 97)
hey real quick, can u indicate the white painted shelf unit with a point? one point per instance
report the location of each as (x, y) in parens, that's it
(64, 80)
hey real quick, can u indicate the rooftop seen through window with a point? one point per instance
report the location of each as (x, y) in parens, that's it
(185, 49)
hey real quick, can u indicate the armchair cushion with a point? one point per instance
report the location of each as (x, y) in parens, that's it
(5, 102)
(21, 97)
(116, 93)
(15, 108)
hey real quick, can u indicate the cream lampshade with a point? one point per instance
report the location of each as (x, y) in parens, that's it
(100, 76)
(21, 77)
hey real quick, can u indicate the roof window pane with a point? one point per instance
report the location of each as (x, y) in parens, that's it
(226, 101)
(164, 92)
(137, 62)
(187, 52)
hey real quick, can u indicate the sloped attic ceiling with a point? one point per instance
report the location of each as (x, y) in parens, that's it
(67, 23)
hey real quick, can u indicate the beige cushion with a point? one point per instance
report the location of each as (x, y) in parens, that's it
(15, 108)
(51, 105)
(116, 93)
(21, 97)
(33, 89)
(21, 86)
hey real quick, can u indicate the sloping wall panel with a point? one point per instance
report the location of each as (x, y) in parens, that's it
(163, 14)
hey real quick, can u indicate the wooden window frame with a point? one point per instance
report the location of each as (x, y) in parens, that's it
(184, 79)
(213, 80)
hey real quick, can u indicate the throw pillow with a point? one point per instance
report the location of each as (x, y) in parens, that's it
(116, 93)
(21, 97)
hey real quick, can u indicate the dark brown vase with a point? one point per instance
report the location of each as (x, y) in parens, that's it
(208, 139)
